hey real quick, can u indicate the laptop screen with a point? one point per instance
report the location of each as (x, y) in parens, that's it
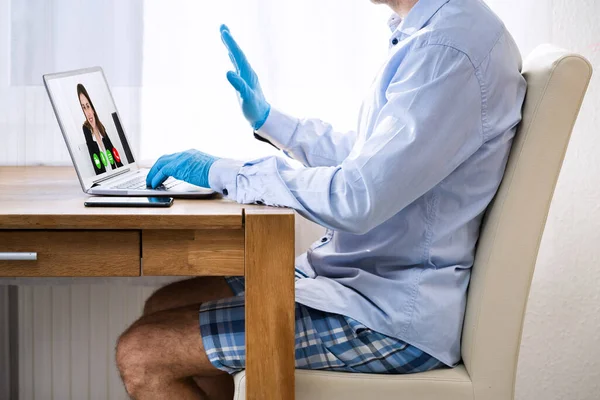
(90, 124)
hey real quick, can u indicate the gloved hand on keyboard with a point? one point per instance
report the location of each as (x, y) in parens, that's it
(244, 80)
(191, 166)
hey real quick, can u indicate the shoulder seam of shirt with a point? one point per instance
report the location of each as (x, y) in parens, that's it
(485, 128)
(449, 45)
(477, 73)
(434, 37)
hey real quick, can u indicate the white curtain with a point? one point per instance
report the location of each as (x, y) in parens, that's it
(61, 35)
(43, 36)
(166, 66)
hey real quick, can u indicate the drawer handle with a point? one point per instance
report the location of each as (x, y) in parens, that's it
(24, 256)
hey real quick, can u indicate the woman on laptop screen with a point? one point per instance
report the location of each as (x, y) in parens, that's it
(103, 155)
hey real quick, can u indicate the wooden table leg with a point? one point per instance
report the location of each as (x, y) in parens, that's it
(269, 271)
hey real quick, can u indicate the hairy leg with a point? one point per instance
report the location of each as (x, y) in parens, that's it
(161, 352)
(192, 292)
(186, 292)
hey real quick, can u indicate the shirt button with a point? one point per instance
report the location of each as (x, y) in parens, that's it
(225, 192)
(395, 41)
(324, 240)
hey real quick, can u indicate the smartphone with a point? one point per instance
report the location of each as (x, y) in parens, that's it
(99, 201)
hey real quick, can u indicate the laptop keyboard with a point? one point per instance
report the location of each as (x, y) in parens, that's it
(140, 183)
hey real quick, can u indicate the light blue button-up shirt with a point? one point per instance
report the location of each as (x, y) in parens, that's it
(403, 196)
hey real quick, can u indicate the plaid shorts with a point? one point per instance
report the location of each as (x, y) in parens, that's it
(324, 341)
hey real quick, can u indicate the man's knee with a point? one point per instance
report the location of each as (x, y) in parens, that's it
(135, 359)
(150, 305)
(160, 300)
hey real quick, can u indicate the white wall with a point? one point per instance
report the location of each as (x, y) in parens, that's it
(560, 352)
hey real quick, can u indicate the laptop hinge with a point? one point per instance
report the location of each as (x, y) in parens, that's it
(97, 182)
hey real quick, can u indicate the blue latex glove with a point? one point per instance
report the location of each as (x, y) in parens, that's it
(244, 80)
(191, 166)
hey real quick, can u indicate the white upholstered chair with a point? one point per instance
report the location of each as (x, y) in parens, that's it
(506, 254)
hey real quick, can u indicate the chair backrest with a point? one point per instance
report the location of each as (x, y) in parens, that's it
(514, 222)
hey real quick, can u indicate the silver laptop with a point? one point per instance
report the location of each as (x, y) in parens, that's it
(95, 137)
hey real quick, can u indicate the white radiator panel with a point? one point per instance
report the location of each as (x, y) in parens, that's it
(41, 326)
(67, 337)
(4, 345)
(61, 342)
(25, 316)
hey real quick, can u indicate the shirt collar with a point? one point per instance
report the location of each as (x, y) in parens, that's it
(418, 16)
(394, 21)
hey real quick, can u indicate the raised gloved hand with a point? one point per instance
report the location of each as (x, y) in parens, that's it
(244, 80)
(191, 166)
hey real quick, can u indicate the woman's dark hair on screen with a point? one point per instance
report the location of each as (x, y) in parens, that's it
(81, 90)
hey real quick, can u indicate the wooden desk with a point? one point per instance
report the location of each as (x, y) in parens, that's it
(42, 211)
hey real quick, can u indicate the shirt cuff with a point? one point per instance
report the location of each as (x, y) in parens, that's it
(279, 129)
(222, 176)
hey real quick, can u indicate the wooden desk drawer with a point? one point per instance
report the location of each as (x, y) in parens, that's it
(193, 252)
(72, 253)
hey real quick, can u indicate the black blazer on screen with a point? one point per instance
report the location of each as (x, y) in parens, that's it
(93, 148)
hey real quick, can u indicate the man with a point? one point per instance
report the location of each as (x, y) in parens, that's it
(384, 290)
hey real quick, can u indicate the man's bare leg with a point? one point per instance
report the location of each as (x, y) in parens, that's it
(191, 292)
(159, 353)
